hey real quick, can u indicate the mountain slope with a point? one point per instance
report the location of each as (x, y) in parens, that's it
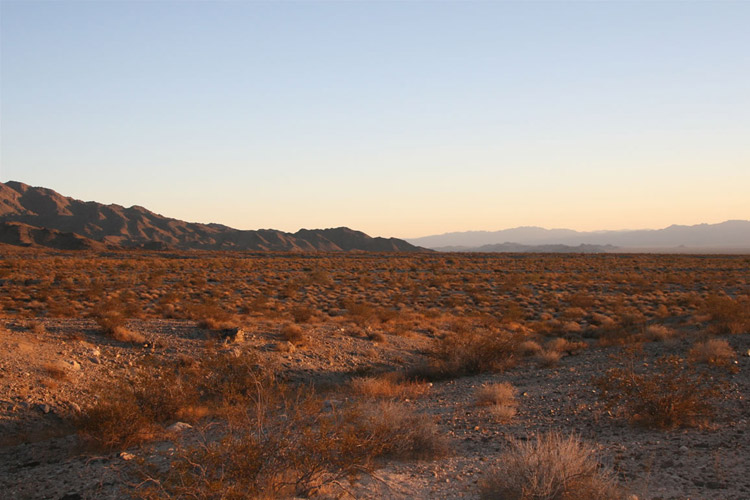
(117, 226)
(20, 234)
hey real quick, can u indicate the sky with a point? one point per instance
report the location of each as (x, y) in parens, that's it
(395, 118)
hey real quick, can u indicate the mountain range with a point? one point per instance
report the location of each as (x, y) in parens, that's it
(40, 217)
(731, 236)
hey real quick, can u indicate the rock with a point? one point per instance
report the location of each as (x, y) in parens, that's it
(236, 335)
(127, 456)
(74, 365)
(179, 427)
(44, 408)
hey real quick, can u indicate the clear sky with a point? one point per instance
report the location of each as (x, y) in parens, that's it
(395, 118)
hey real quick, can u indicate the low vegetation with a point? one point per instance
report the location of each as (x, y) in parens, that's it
(669, 394)
(549, 467)
(296, 378)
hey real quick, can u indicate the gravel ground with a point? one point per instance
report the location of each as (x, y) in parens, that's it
(40, 457)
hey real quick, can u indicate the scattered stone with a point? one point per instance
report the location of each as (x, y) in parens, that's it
(179, 427)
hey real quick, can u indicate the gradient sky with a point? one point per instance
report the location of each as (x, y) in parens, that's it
(395, 118)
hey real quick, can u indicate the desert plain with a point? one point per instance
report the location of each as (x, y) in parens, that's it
(369, 375)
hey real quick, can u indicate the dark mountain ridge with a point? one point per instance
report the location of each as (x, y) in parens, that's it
(37, 216)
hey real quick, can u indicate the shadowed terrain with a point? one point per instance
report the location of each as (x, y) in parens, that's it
(52, 220)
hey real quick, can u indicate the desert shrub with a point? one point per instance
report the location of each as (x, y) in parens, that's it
(716, 352)
(502, 393)
(669, 394)
(656, 333)
(112, 319)
(289, 444)
(529, 348)
(500, 398)
(293, 333)
(375, 336)
(210, 315)
(360, 312)
(550, 467)
(130, 411)
(729, 315)
(397, 431)
(389, 386)
(36, 327)
(301, 314)
(476, 351)
(549, 358)
(563, 345)
(135, 409)
(109, 319)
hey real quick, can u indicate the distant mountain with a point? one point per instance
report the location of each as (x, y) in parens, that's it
(519, 248)
(730, 236)
(35, 216)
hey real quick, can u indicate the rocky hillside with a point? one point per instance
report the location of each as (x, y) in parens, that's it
(35, 216)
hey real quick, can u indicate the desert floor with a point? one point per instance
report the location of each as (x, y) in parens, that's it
(571, 322)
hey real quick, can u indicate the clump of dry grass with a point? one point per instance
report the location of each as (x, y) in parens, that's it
(659, 333)
(716, 352)
(302, 314)
(376, 337)
(529, 348)
(389, 386)
(549, 358)
(500, 398)
(294, 334)
(36, 327)
(113, 324)
(550, 467)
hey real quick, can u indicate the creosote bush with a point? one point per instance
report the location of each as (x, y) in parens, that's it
(716, 352)
(290, 443)
(666, 395)
(471, 352)
(135, 409)
(549, 467)
(729, 315)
